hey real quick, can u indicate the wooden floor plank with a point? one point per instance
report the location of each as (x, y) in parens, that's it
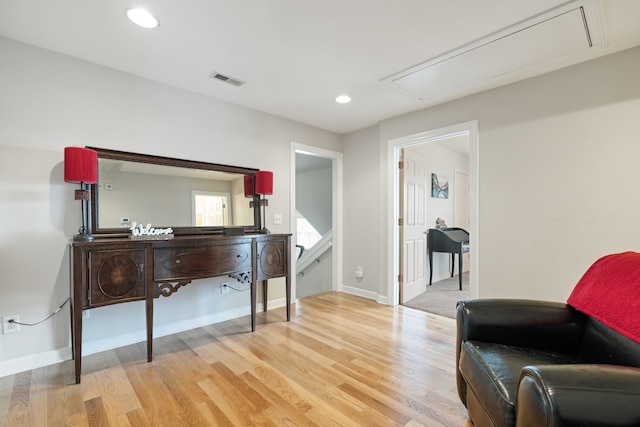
(19, 413)
(96, 412)
(342, 360)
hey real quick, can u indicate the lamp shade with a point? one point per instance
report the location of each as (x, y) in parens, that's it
(80, 165)
(248, 186)
(264, 182)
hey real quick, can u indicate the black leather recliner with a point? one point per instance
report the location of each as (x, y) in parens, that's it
(535, 363)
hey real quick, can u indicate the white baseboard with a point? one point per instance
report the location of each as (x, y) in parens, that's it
(26, 363)
(33, 361)
(272, 304)
(365, 294)
(382, 300)
(96, 346)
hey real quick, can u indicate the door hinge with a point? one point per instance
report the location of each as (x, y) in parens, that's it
(400, 278)
(400, 221)
(401, 165)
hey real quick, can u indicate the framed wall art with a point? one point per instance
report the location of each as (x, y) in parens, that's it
(439, 186)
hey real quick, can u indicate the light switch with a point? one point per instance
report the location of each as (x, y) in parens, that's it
(277, 219)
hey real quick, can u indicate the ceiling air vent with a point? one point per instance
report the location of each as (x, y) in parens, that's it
(227, 79)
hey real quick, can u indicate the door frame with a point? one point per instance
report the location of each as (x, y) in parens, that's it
(393, 155)
(336, 215)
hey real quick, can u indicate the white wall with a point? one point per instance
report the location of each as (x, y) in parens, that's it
(37, 215)
(364, 236)
(558, 170)
(313, 197)
(50, 101)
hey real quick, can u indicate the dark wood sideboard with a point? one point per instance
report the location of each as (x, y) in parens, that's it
(118, 270)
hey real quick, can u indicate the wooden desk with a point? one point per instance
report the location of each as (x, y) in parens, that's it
(118, 270)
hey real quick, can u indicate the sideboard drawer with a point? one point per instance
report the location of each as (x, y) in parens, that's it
(116, 276)
(178, 263)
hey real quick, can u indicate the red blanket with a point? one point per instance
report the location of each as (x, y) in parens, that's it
(610, 292)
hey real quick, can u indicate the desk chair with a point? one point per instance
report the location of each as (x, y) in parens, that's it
(451, 240)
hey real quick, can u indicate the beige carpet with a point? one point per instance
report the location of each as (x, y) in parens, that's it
(441, 297)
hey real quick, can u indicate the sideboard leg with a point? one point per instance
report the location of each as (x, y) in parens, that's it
(149, 328)
(150, 295)
(78, 278)
(288, 277)
(264, 295)
(76, 339)
(288, 296)
(253, 305)
(254, 282)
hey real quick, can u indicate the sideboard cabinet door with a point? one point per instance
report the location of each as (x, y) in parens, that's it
(271, 258)
(116, 276)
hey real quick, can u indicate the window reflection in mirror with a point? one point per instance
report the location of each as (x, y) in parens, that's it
(210, 209)
(166, 196)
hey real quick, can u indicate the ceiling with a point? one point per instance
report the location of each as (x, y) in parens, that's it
(297, 56)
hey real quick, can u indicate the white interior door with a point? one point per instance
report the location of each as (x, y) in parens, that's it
(461, 213)
(415, 238)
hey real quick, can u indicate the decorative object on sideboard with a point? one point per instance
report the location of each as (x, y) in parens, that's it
(81, 166)
(142, 232)
(440, 223)
(264, 187)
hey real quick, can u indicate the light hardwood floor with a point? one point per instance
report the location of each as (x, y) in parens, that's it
(341, 361)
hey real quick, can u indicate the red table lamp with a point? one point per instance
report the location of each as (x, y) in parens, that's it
(81, 166)
(264, 187)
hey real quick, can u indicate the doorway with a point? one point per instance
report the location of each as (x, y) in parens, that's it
(396, 252)
(316, 213)
(439, 169)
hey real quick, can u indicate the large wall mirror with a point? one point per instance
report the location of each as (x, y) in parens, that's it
(189, 196)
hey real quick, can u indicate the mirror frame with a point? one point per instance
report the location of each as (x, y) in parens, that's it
(104, 153)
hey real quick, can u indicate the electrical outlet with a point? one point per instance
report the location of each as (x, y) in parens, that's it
(7, 326)
(224, 287)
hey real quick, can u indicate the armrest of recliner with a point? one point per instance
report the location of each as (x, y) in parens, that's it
(543, 325)
(572, 395)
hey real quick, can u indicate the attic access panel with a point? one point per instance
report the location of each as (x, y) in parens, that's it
(538, 42)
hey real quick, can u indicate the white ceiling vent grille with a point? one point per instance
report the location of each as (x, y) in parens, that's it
(505, 56)
(227, 79)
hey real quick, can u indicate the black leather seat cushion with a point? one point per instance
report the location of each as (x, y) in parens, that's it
(492, 372)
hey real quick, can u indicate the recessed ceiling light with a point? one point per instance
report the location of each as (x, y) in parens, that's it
(143, 18)
(343, 99)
